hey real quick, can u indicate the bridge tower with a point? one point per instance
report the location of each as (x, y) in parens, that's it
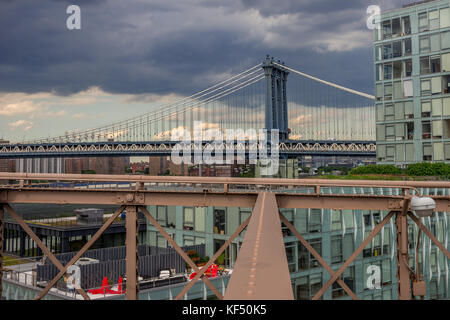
(276, 115)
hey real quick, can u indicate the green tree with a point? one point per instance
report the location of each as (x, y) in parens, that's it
(376, 169)
(426, 169)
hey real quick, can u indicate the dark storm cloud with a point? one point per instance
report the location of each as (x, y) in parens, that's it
(269, 7)
(164, 46)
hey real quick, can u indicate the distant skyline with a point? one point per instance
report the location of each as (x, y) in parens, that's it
(134, 56)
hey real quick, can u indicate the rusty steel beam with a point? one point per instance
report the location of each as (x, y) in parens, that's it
(131, 244)
(355, 254)
(126, 197)
(180, 251)
(2, 215)
(204, 199)
(229, 181)
(429, 234)
(81, 252)
(403, 275)
(316, 255)
(340, 201)
(261, 271)
(38, 241)
(213, 258)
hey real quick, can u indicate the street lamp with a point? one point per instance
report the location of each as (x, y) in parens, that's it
(423, 206)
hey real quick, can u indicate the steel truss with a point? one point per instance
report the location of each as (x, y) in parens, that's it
(261, 268)
(73, 149)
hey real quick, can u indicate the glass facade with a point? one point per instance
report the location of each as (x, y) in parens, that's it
(334, 234)
(412, 81)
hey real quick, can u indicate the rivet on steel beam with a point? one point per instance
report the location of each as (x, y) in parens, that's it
(130, 197)
(395, 204)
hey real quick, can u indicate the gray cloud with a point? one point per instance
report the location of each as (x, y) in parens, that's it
(162, 46)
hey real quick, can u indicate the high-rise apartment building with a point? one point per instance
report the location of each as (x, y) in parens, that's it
(412, 82)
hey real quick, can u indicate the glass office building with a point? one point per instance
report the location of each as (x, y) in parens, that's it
(335, 234)
(412, 82)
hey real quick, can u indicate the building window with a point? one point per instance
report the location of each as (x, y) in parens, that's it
(433, 17)
(225, 256)
(315, 221)
(390, 153)
(387, 71)
(387, 29)
(290, 255)
(408, 90)
(188, 223)
(219, 221)
(308, 286)
(336, 249)
(426, 109)
(289, 215)
(199, 240)
(372, 218)
(427, 152)
(426, 130)
(397, 49)
(161, 241)
(348, 277)
(410, 130)
(445, 67)
(243, 215)
(406, 25)
(425, 65)
(435, 42)
(407, 47)
(378, 55)
(390, 133)
(425, 87)
(397, 69)
(379, 75)
(396, 27)
(435, 64)
(199, 219)
(386, 270)
(171, 216)
(445, 18)
(388, 92)
(305, 259)
(433, 290)
(161, 215)
(424, 44)
(430, 64)
(188, 240)
(445, 40)
(423, 22)
(387, 51)
(336, 220)
(380, 112)
(446, 84)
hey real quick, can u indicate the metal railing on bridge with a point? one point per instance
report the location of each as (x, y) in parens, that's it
(261, 270)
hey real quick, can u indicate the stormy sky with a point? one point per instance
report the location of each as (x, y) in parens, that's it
(134, 55)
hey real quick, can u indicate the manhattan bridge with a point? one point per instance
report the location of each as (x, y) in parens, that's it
(311, 116)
